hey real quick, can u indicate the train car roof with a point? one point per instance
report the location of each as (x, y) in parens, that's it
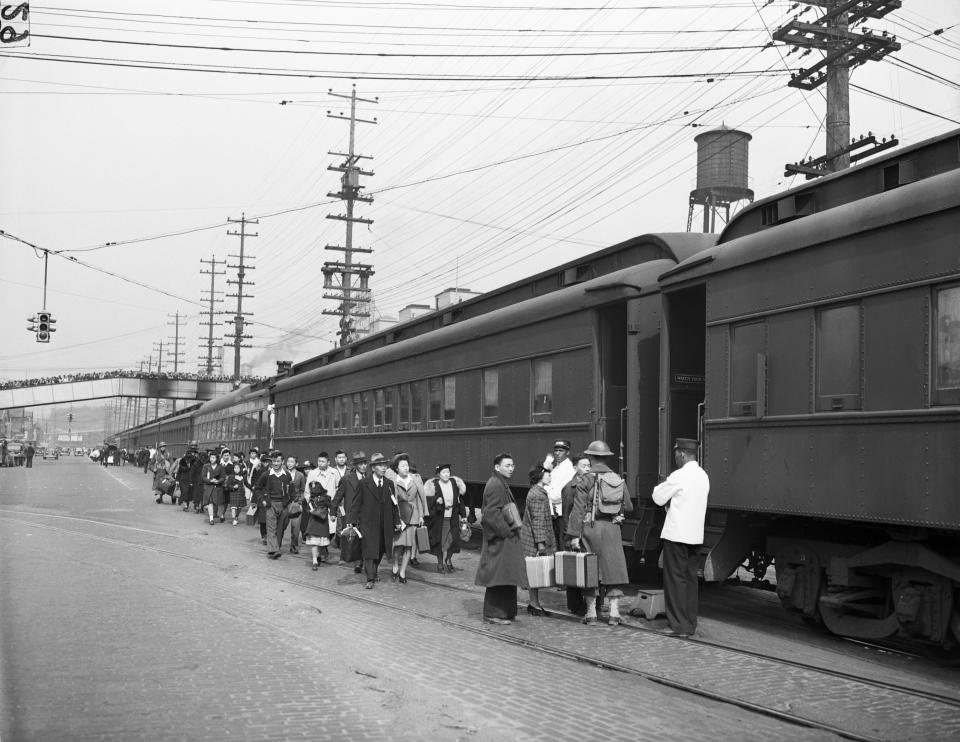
(240, 394)
(637, 250)
(928, 196)
(884, 172)
(627, 283)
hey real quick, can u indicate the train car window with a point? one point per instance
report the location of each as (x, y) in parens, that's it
(491, 394)
(838, 358)
(435, 390)
(366, 417)
(388, 394)
(747, 342)
(417, 402)
(357, 410)
(449, 397)
(948, 346)
(297, 421)
(542, 390)
(378, 408)
(405, 404)
(337, 414)
(325, 414)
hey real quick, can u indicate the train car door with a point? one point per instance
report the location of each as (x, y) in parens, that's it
(683, 362)
(612, 378)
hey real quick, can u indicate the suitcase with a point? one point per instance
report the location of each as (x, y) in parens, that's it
(541, 571)
(423, 538)
(577, 569)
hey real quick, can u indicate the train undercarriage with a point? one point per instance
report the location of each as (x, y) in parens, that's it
(872, 585)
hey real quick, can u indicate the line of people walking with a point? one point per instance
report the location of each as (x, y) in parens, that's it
(376, 507)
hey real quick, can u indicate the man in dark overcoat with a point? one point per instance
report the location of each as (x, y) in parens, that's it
(188, 475)
(348, 493)
(502, 567)
(29, 452)
(376, 515)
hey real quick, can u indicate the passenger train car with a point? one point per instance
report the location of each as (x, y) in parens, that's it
(813, 350)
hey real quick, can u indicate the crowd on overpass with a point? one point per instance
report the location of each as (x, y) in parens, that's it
(121, 373)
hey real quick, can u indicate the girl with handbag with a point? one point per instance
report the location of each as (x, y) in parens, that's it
(318, 523)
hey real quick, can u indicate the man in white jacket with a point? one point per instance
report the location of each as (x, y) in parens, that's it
(684, 494)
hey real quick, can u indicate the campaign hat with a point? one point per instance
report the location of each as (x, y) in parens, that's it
(359, 457)
(162, 444)
(598, 448)
(686, 444)
(378, 458)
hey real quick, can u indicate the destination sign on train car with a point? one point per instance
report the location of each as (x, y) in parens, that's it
(14, 24)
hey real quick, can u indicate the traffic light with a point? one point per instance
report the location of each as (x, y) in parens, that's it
(45, 326)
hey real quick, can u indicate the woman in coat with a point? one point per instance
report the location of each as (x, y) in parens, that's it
(444, 495)
(412, 506)
(599, 532)
(317, 536)
(212, 485)
(502, 568)
(536, 536)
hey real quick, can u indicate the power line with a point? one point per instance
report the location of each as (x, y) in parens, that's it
(881, 96)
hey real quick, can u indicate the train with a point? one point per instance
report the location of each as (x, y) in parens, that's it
(812, 348)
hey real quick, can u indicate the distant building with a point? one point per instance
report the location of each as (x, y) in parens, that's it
(453, 296)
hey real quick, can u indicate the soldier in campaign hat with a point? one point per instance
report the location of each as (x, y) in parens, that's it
(160, 465)
(684, 494)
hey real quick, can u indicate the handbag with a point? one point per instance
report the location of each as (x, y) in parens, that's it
(350, 550)
(294, 509)
(252, 510)
(512, 515)
(423, 538)
(465, 530)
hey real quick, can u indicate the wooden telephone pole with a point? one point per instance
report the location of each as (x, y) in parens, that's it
(353, 298)
(844, 49)
(240, 322)
(212, 300)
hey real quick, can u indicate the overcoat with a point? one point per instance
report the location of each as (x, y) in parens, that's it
(599, 533)
(501, 556)
(347, 495)
(213, 477)
(252, 478)
(537, 523)
(316, 525)
(376, 516)
(435, 509)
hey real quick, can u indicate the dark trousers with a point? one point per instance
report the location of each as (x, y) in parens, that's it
(29, 462)
(500, 601)
(294, 521)
(276, 525)
(680, 585)
(186, 492)
(370, 566)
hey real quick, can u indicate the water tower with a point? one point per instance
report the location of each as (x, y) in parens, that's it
(722, 161)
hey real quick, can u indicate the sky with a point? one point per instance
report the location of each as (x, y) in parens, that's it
(510, 137)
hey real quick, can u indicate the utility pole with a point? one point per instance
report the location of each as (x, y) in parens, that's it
(843, 50)
(156, 406)
(211, 300)
(176, 353)
(239, 321)
(354, 299)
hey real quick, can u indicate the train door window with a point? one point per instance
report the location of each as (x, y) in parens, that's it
(325, 414)
(947, 361)
(542, 386)
(388, 395)
(449, 397)
(491, 395)
(838, 358)
(747, 343)
(337, 414)
(297, 422)
(404, 406)
(378, 408)
(435, 390)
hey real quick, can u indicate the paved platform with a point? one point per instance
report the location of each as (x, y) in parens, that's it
(123, 619)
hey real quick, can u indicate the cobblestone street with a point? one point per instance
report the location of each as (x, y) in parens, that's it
(122, 619)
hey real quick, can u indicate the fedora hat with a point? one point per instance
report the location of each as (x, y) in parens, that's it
(359, 457)
(378, 458)
(598, 448)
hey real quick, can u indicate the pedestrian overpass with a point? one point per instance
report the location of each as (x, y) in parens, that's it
(133, 386)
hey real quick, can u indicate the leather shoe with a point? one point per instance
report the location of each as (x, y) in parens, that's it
(403, 580)
(358, 569)
(533, 611)
(369, 585)
(315, 567)
(590, 621)
(614, 620)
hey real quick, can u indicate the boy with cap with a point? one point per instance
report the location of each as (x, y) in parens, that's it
(684, 494)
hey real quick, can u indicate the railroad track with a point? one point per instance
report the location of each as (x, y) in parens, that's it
(945, 703)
